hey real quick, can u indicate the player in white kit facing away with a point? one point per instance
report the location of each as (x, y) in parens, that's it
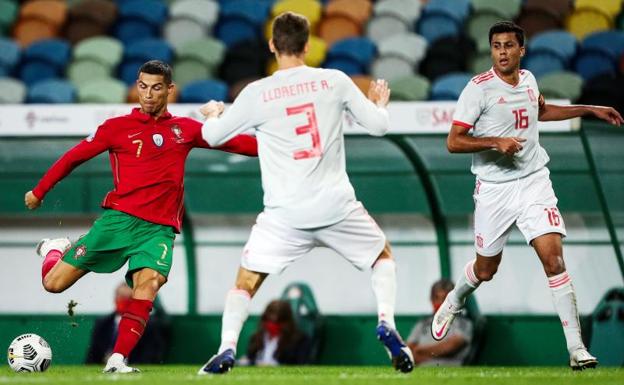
(502, 107)
(298, 115)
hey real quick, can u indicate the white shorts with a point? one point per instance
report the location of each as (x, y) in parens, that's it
(273, 245)
(529, 202)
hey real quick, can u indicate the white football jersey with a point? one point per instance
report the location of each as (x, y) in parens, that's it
(298, 115)
(494, 108)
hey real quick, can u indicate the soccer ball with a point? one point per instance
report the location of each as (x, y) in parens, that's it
(29, 353)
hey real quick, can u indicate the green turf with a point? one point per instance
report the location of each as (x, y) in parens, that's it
(327, 375)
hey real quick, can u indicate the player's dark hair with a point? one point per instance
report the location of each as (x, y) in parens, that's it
(157, 67)
(290, 33)
(442, 284)
(508, 26)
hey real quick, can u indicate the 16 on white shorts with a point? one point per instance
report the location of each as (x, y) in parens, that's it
(273, 245)
(529, 202)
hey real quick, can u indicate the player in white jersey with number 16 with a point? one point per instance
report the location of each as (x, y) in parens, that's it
(298, 114)
(502, 107)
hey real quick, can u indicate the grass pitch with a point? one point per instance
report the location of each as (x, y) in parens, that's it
(327, 375)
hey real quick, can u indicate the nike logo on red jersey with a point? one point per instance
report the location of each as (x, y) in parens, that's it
(135, 134)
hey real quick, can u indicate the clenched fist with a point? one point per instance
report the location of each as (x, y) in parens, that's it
(31, 201)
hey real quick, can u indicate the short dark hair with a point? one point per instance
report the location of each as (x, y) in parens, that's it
(442, 284)
(508, 26)
(290, 33)
(157, 67)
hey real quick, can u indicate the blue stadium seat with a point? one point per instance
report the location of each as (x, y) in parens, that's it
(139, 52)
(541, 63)
(52, 91)
(590, 64)
(139, 19)
(458, 10)
(44, 59)
(608, 42)
(241, 20)
(9, 56)
(204, 90)
(560, 43)
(353, 56)
(449, 86)
(436, 26)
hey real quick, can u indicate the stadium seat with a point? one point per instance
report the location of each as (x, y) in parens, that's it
(608, 42)
(207, 50)
(409, 46)
(352, 56)
(141, 51)
(8, 13)
(449, 86)
(406, 10)
(560, 43)
(203, 12)
(585, 21)
(535, 19)
(307, 315)
(561, 85)
(362, 82)
(241, 20)
(186, 71)
(317, 51)
(543, 62)
(607, 336)
(410, 88)
(609, 7)
(561, 9)
(599, 54)
(508, 9)
(312, 9)
(447, 55)
(337, 27)
(480, 63)
(52, 91)
(52, 12)
(478, 28)
(203, 91)
(44, 59)
(180, 31)
(89, 18)
(356, 10)
(381, 27)
(441, 18)
(86, 70)
(104, 49)
(237, 87)
(391, 67)
(139, 19)
(28, 31)
(245, 60)
(13, 91)
(102, 91)
(9, 56)
(604, 90)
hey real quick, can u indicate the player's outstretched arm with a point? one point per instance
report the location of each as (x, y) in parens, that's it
(31, 201)
(370, 112)
(220, 127)
(459, 141)
(551, 112)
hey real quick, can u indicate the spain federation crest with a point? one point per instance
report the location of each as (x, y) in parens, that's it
(158, 140)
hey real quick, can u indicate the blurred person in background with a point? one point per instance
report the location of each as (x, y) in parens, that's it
(278, 340)
(454, 349)
(151, 349)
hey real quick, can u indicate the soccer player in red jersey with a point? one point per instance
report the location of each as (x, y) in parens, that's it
(147, 150)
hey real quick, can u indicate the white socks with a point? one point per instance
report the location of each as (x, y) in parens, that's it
(384, 286)
(466, 284)
(564, 300)
(234, 316)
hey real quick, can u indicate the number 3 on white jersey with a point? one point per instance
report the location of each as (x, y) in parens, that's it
(310, 128)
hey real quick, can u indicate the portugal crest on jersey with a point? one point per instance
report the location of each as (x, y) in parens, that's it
(177, 132)
(158, 139)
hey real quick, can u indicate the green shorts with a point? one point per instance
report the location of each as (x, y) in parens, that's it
(117, 237)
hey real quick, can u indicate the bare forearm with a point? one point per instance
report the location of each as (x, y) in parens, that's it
(551, 112)
(467, 143)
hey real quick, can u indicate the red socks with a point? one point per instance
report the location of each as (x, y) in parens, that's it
(132, 325)
(50, 260)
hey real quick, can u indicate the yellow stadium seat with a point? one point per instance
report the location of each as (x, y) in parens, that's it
(609, 7)
(311, 9)
(584, 21)
(317, 51)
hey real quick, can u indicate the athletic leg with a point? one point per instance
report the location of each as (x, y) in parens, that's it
(62, 276)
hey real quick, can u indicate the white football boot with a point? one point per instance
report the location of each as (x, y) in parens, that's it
(443, 318)
(46, 245)
(117, 364)
(580, 359)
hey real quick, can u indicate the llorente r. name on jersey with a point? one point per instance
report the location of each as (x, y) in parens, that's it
(494, 108)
